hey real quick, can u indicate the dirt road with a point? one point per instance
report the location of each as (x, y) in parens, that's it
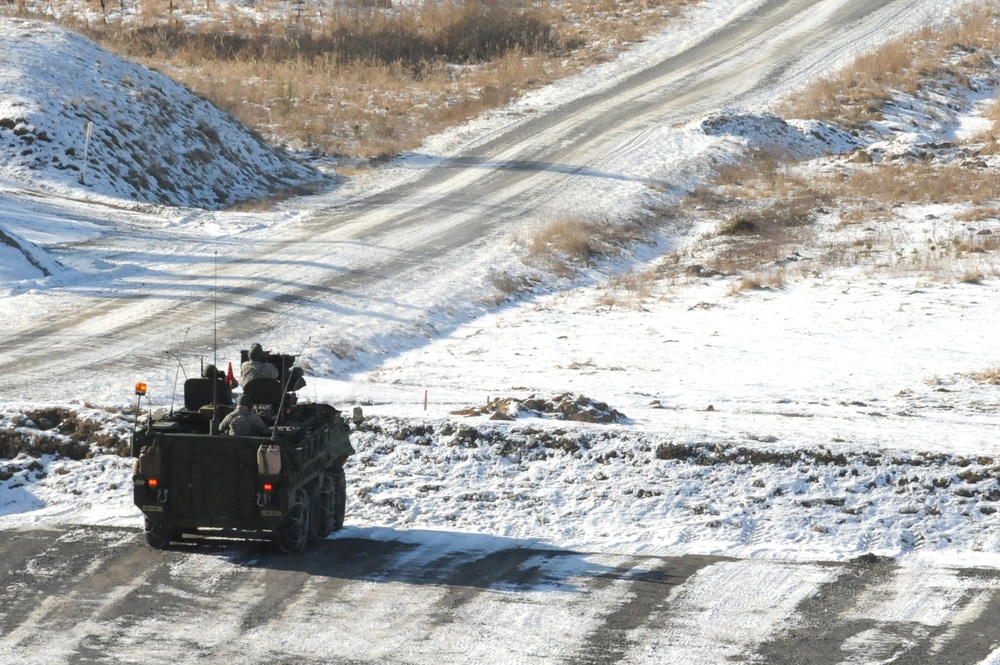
(390, 255)
(99, 595)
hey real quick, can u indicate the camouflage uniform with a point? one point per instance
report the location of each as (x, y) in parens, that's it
(256, 367)
(243, 421)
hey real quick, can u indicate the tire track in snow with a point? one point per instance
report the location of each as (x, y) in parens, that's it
(877, 611)
(27, 565)
(919, 614)
(818, 619)
(470, 578)
(194, 602)
(648, 596)
(725, 611)
(62, 621)
(94, 594)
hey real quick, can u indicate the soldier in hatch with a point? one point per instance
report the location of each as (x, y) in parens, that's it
(243, 421)
(256, 367)
(210, 372)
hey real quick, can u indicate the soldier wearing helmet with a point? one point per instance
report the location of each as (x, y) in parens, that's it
(256, 367)
(243, 421)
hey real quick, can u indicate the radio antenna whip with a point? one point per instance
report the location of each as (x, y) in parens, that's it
(284, 392)
(215, 316)
(177, 372)
(215, 348)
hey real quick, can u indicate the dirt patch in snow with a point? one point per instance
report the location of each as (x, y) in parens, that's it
(60, 431)
(567, 406)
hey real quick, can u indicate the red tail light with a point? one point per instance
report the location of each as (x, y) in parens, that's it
(268, 487)
(152, 482)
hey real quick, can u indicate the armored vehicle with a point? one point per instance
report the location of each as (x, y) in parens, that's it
(284, 482)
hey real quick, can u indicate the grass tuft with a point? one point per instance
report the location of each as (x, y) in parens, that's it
(990, 375)
(566, 239)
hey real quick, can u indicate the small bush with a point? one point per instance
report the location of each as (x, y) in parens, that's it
(567, 238)
(508, 285)
(493, 31)
(627, 290)
(971, 276)
(773, 278)
(344, 350)
(989, 375)
(739, 226)
(979, 213)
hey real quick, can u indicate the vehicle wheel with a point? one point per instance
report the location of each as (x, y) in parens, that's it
(292, 533)
(157, 535)
(340, 497)
(325, 506)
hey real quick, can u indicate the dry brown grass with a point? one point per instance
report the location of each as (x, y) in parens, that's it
(507, 285)
(364, 79)
(854, 96)
(971, 276)
(989, 375)
(871, 211)
(758, 224)
(764, 207)
(566, 244)
(767, 169)
(924, 182)
(893, 248)
(566, 240)
(767, 216)
(628, 291)
(979, 213)
(978, 244)
(766, 279)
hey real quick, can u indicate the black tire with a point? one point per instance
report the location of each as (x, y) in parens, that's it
(340, 497)
(292, 533)
(157, 535)
(325, 507)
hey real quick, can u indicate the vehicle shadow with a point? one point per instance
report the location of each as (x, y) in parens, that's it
(515, 165)
(453, 559)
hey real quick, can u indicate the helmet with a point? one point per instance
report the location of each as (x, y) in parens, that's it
(210, 372)
(244, 400)
(256, 352)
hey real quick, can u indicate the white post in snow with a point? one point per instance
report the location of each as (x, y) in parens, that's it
(87, 129)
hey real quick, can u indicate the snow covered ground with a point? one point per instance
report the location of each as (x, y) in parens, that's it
(834, 415)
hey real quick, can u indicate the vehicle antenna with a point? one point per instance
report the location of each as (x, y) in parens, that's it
(177, 375)
(177, 372)
(284, 392)
(215, 348)
(215, 322)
